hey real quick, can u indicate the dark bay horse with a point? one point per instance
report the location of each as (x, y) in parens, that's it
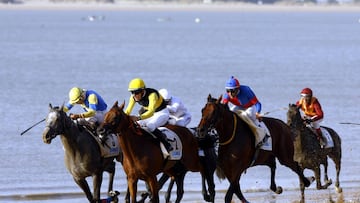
(237, 146)
(82, 153)
(308, 152)
(142, 156)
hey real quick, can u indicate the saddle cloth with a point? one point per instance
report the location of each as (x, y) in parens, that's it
(329, 142)
(175, 142)
(259, 131)
(111, 146)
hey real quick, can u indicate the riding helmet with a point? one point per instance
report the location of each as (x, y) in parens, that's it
(232, 83)
(136, 84)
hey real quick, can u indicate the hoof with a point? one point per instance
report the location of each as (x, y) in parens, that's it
(338, 189)
(279, 190)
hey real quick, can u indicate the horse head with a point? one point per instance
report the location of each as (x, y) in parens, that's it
(294, 119)
(210, 116)
(114, 121)
(55, 123)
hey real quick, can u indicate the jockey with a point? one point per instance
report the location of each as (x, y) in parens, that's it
(313, 113)
(242, 98)
(179, 114)
(155, 112)
(92, 103)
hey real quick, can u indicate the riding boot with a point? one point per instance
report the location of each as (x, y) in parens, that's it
(163, 139)
(320, 138)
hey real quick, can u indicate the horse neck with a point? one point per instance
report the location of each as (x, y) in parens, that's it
(229, 118)
(130, 140)
(70, 136)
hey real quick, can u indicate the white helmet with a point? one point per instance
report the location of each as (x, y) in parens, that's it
(165, 94)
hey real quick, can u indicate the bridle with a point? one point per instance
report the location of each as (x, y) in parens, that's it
(214, 120)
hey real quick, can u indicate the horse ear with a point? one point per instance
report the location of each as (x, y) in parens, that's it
(115, 104)
(209, 98)
(219, 99)
(62, 107)
(50, 106)
(122, 105)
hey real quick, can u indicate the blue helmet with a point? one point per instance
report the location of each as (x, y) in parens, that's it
(232, 83)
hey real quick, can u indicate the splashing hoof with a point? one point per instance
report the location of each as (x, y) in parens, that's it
(338, 189)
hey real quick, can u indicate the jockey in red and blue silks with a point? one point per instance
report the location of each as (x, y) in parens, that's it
(241, 98)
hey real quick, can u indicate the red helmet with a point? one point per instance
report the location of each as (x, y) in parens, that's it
(306, 92)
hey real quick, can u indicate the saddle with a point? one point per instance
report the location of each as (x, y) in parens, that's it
(109, 146)
(325, 135)
(261, 132)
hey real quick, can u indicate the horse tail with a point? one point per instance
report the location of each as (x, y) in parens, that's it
(220, 173)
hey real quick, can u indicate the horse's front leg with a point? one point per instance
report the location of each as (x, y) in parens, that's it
(132, 188)
(81, 182)
(238, 192)
(97, 180)
(111, 170)
(229, 194)
(154, 189)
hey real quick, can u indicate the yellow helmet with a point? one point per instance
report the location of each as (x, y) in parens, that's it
(75, 94)
(136, 84)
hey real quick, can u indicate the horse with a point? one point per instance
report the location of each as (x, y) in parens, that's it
(308, 151)
(82, 153)
(142, 156)
(237, 147)
(207, 145)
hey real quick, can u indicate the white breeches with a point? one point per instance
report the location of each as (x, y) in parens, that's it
(159, 118)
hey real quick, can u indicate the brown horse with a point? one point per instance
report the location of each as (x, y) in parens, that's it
(82, 152)
(308, 152)
(142, 156)
(237, 146)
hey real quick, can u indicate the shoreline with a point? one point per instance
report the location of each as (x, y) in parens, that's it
(175, 6)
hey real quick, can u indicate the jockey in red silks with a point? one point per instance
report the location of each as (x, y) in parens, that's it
(311, 107)
(241, 97)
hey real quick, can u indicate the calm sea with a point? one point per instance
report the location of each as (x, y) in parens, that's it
(192, 53)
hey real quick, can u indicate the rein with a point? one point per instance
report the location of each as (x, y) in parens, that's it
(233, 134)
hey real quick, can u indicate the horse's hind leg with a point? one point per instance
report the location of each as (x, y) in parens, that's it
(272, 166)
(179, 179)
(168, 192)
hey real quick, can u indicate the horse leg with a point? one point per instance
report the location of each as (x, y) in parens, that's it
(229, 194)
(111, 170)
(132, 188)
(337, 162)
(209, 196)
(327, 181)
(272, 166)
(238, 192)
(179, 179)
(168, 192)
(127, 196)
(97, 180)
(154, 189)
(85, 187)
(337, 183)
